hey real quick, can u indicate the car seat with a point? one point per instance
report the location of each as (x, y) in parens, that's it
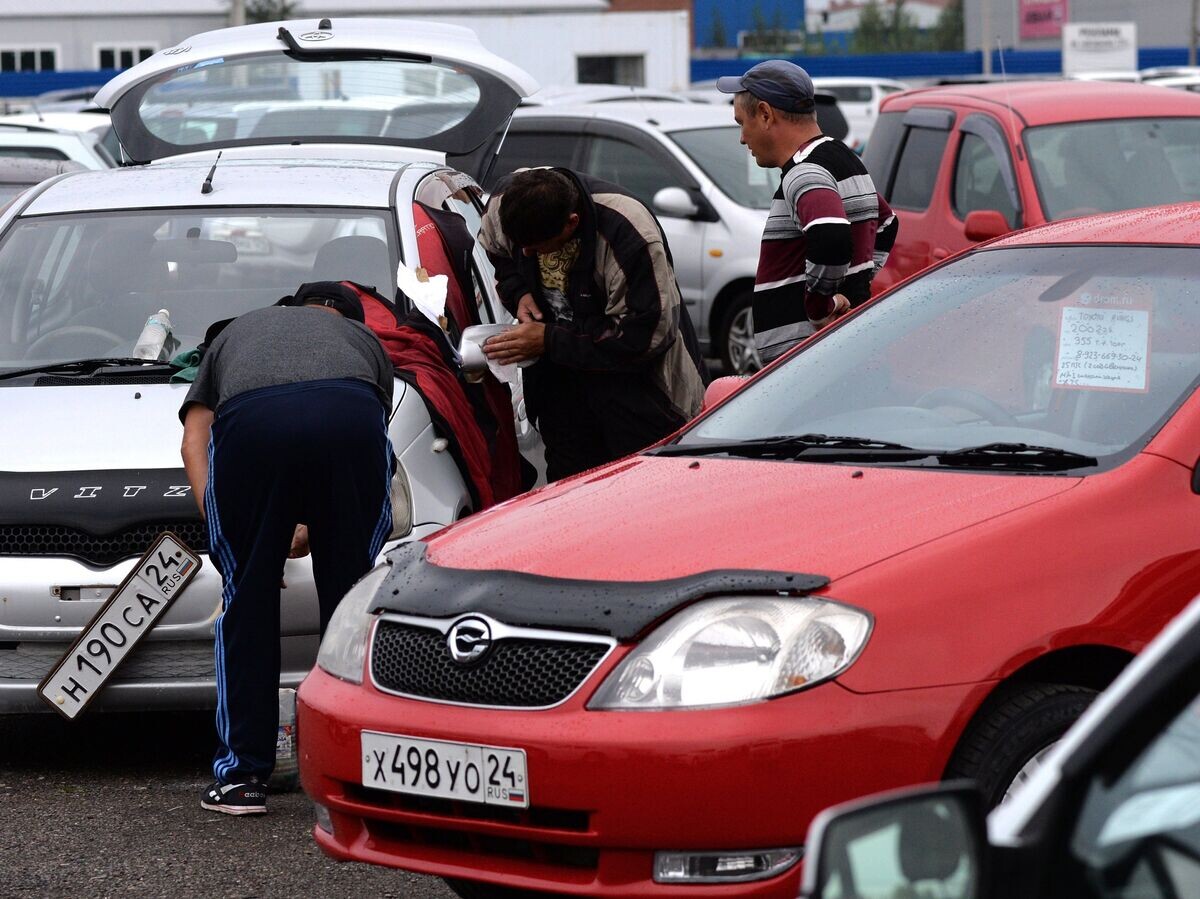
(122, 282)
(358, 258)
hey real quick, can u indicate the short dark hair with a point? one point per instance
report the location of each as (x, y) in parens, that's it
(536, 205)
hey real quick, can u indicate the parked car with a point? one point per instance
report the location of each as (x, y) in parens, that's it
(963, 164)
(574, 94)
(95, 121)
(686, 163)
(1109, 814)
(92, 473)
(912, 549)
(859, 100)
(829, 111)
(18, 174)
(40, 142)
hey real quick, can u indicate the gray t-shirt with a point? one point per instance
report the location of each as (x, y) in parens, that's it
(286, 345)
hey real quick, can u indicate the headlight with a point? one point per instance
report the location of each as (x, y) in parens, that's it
(344, 646)
(727, 651)
(402, 510)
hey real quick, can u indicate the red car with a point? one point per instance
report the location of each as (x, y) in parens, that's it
(966, 163)
(914, 548)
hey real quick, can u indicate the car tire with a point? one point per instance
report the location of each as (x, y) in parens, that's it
(735, 337)
(467, 889)
(1007, 738)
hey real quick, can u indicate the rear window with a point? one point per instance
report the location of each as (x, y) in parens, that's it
(849, 93)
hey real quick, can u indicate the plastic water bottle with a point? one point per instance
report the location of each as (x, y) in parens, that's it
(156, 340)
(286, 775)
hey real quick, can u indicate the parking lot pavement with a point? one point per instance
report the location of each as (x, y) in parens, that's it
(110, 806)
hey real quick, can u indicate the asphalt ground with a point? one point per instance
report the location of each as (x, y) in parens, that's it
(109, 806)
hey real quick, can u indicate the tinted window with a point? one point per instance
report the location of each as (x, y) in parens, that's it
(831, 121)
(978, 182)
(532, 148)
(917, 171)
(849, 93)
(880, 155)
(629, 166)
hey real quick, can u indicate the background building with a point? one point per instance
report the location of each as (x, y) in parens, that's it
(640, 42)
(1160, 23)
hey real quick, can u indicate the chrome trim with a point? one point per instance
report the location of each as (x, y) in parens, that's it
(500, 631)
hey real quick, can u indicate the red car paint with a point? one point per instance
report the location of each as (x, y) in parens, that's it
(928, 235)
(973, 579)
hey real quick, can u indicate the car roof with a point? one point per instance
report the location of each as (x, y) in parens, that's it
(64, 121)
(19, 170)
(554, 95)
(1177, 224)
(1046, 102)
(848, 80)
(266, 183)
(654, 114)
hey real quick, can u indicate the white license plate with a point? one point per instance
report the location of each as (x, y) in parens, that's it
(489, 774)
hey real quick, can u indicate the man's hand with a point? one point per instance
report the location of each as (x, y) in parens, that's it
(299, 547)
(841, 306)
(527, 309)
(522, 343)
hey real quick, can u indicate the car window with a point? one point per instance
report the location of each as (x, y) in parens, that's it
(1085, 349)
(1088, 167)
(83, 285)
(720, 155)
(916, 172)
(33, 152)
(880, 155)
(1138, 834)
(848, 93)
(523, 149)
(629, 166)
(978, 181)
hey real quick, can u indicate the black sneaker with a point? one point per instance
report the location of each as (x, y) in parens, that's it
(235, 799)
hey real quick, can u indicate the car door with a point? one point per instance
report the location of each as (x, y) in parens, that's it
(984, 178)
(636, 161)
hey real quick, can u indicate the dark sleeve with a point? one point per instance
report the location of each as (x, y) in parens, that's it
(641, 317)
(385, 375)
(885, 236)
(205, 389)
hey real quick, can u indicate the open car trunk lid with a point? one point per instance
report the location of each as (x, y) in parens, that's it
(377, 81)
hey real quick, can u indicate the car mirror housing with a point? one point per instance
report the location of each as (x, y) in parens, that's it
(933, 836)
(676, 203)
(721, 388)
(984, 224)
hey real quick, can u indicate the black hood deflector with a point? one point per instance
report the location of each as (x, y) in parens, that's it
(620, 609)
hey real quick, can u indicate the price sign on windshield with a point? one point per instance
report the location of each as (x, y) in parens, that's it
(134, 607)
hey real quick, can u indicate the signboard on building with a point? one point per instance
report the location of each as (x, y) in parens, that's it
(1041, 18)
(1099, 47)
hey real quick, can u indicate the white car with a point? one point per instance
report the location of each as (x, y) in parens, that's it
(90, 469)
(92, 121)
(552, 95)
(42, 142)
(859, 99)
(685, 162)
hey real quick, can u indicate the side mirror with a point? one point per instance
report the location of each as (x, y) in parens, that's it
(984, 224)
(721, 388)
(914, 842)
(676, 203)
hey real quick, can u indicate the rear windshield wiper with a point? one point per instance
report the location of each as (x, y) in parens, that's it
(86, 367)
(1016, 455)
(822, 446)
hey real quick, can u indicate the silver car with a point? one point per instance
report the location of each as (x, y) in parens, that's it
(90, 468)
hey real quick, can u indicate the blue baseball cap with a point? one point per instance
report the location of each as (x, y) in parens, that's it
(781, 83)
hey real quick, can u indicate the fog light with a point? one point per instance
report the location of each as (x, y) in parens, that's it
(723, 867)
(323, 820)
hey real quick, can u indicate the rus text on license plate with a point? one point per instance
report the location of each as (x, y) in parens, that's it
(488, 774)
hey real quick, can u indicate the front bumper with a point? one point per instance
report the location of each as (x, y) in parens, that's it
(608, 789)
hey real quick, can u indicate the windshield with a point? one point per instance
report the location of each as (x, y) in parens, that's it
(1083, 349)
(1138, 834)
(82, 286)
(1088, 167)
(720, 155)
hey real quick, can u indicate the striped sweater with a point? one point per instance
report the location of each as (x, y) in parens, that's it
(828, 232)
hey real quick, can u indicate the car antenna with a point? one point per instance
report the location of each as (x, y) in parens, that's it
(206, 187)
(33, 103)
(1012, 117)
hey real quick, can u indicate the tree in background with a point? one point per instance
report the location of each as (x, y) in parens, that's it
(719, 36)
(270, 10)
(948, 33)
(764, 37)
(894, 31)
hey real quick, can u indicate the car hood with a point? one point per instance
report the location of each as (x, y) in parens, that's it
(357, 80)
(653, 518)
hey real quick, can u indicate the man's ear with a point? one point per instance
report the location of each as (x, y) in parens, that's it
(764, 111)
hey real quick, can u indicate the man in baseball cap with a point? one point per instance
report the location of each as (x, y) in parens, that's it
(828, 230)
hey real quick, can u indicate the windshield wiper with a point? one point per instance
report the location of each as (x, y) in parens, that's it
(1016, 455)
(822, 446)
(85, 367)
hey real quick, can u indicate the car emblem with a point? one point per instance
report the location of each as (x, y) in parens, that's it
(316, 36)
(469, 640)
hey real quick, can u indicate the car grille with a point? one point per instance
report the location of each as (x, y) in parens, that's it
(104, 549)
(518, 672)
(149, 661)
